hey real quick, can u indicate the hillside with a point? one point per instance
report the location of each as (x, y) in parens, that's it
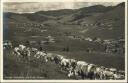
(111, 24)
(96, 20)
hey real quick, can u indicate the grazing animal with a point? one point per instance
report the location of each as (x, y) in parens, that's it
(7, 45)
(34, 49)
(73, 63)
(50, 57)
(22, 47)
(58, 58)
(65, 64)
(28, 53)
(118, 76)
(25, 53)
(91, 71)
(84, 71)
(79, 66)
(98, 73)
(16, 51)
(108, 74)
(77, 70)
(113, 70)
(87, 70)
(41, 55)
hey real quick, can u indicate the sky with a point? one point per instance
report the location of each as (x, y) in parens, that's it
(31, 7)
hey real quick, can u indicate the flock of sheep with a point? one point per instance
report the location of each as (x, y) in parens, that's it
(75, 68)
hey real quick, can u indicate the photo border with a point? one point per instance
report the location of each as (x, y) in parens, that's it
(94, 81)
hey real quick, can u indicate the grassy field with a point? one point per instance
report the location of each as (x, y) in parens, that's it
(100, 59)
(13, 67)
(77, 50)
(22, 69)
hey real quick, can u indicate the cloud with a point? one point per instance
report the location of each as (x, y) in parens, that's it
(26, 7)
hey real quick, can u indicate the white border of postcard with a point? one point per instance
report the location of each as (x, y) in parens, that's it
(94, 81)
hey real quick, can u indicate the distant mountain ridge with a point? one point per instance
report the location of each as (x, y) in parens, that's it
(97, 19)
